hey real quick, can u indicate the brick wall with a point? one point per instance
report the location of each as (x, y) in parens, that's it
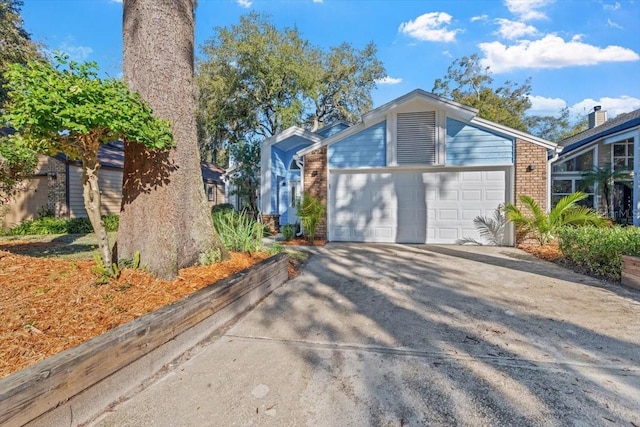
(532, 182)
(315, 183)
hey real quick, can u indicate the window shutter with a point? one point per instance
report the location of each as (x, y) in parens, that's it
(416, 138)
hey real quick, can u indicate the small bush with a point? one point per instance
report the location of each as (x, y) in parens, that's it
(111, 222)
(238, 231)
(223, 207)
(310, 211)
(288, 231)
(50, 225)
(599, 250)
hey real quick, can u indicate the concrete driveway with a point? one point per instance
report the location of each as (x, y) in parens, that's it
(390, 335)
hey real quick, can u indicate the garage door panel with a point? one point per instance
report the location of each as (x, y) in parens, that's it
(412, 206)
(470, 214)
(472, 195)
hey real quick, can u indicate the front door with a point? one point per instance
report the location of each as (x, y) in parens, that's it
(623, 202)
(294, 199)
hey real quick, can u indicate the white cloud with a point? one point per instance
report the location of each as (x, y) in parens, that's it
(244, 3)
(430, 27)
(387, 80)
(479, 18)
(614, 6)
(513, 30)
(550, 52)
(318, 1)
(76, 53)
(613, 106)
(115, 1)
(527, 10)
(542, 106)
(613, 24)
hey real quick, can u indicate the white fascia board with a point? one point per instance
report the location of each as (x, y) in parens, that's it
(620, 136)
(288, 133)
(514, 133)
(452, 107)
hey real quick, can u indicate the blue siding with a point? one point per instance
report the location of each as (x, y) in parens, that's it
(468, 145)
(280, 161)
(367, 148)
(331, 130)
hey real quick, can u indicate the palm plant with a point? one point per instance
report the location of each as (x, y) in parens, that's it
(490, 229)
(604, 177)
(544, 227)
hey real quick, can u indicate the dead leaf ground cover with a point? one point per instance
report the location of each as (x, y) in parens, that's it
(50, 304)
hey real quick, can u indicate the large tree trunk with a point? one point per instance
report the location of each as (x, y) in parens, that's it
(164, 213)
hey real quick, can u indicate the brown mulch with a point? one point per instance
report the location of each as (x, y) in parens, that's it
(548, 252)
(303, 242)
(48, 305)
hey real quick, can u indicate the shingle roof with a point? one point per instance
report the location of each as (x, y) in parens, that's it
(620, 123)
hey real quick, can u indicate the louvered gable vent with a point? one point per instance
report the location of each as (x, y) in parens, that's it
(416, 138)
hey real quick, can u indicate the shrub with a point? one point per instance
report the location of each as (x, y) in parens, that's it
(238, 232)
(310, 211)
(50, 225)
(288, 231)
(111, 222)
(543, 227)
(599, 250)
(223, 207)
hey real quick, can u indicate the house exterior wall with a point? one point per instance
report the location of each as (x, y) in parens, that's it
(215, 193)
(367, 148)
(468, 145)
(46, 190)
(280, 202)
(530, 182)
(110, 182)
(315, 183)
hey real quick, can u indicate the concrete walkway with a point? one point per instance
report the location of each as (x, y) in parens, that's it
(390, 335)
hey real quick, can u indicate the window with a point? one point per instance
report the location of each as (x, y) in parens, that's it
(581, 163)
(416, 138)
(622, 155)
(565, 186)
(211, 193)
(294, 196)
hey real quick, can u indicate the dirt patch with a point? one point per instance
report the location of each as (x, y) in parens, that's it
(48, 305)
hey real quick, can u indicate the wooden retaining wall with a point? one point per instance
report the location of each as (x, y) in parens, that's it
(74, 386)
(631, 271)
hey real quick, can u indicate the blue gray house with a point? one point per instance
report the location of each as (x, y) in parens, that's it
(418, 169)
(606, 143)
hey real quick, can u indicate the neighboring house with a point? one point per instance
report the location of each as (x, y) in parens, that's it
(418, 169)
(607, 143)
(56, 187)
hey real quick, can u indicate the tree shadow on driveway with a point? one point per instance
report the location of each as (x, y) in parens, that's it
(414, 335)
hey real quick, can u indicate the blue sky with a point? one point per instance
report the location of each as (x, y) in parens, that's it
(579, 53)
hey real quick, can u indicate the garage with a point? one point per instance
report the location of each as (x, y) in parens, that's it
(413, 206)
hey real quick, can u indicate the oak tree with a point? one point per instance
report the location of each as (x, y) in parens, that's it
(164, 213)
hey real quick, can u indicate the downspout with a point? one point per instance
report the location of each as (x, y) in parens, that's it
(300, 163)
(556, 154)
(636, 179)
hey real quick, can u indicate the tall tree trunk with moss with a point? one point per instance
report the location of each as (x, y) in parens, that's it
(164, 213)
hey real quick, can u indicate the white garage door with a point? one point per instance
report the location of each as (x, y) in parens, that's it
(412, 206)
